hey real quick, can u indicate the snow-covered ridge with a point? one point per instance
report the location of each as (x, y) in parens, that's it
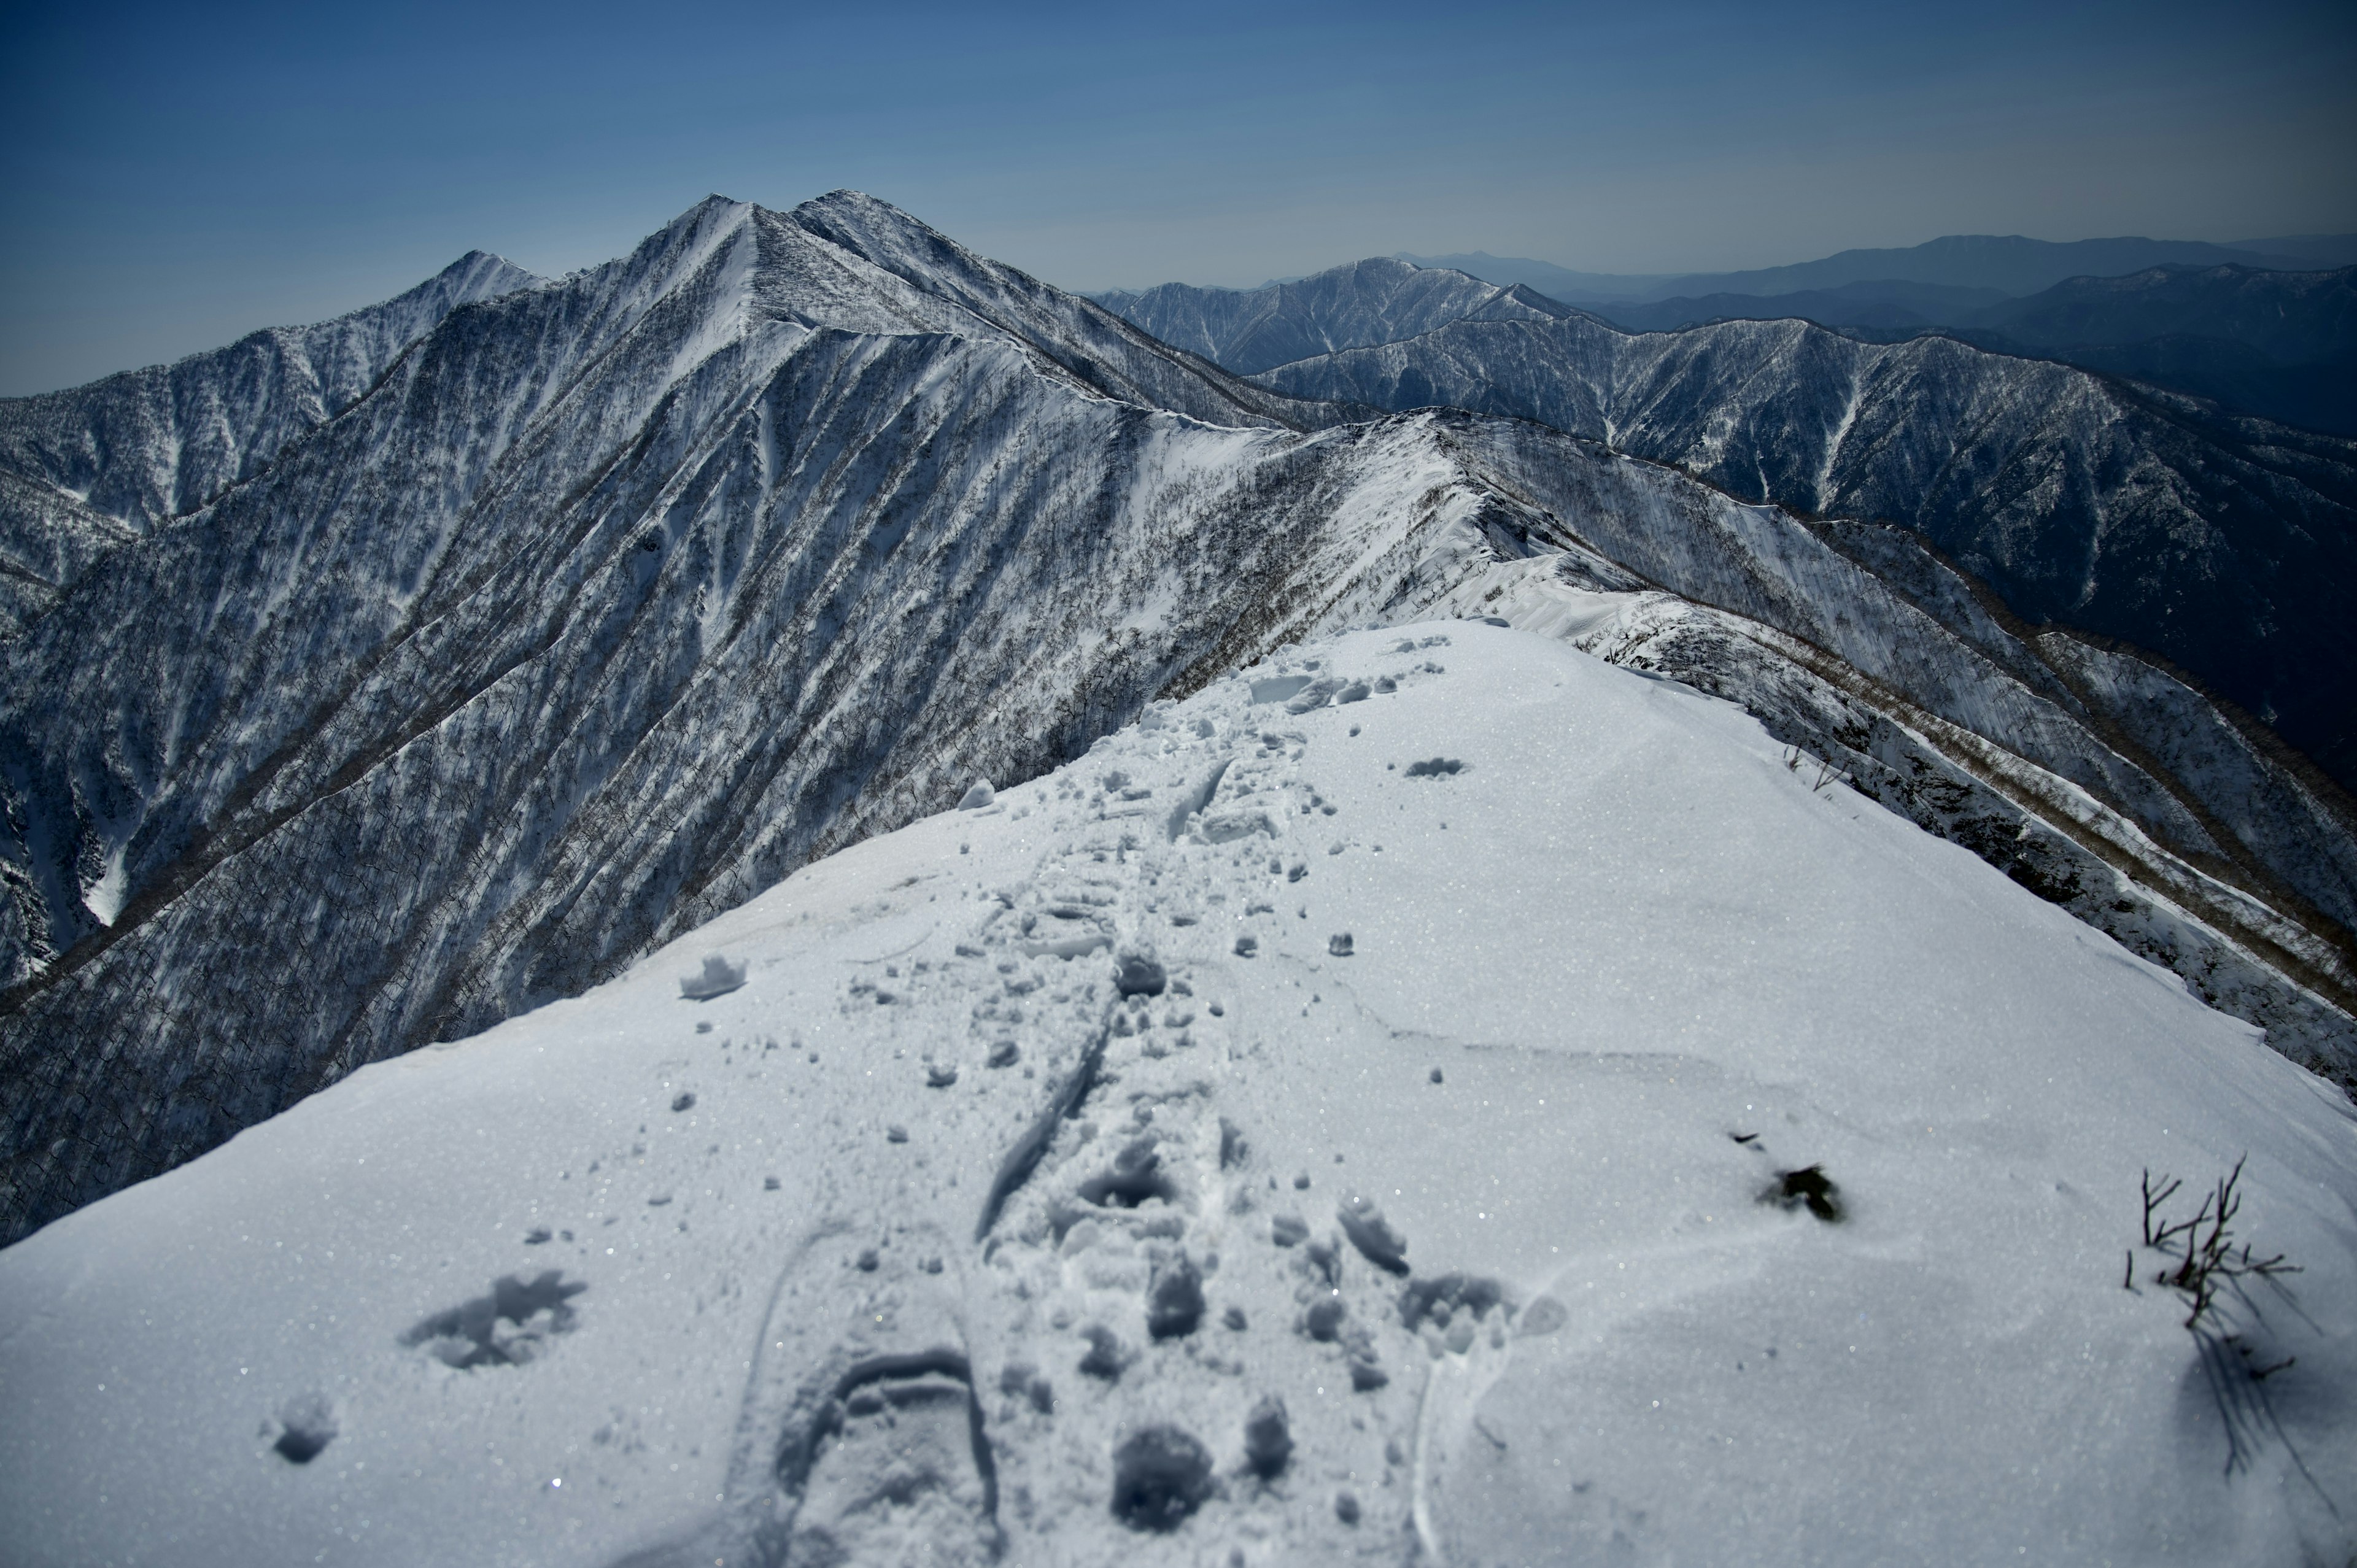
(1432, 1096)
(620, 599)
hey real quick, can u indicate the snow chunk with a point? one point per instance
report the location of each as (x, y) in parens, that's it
(719, 978)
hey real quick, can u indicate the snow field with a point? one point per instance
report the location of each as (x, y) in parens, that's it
(1054, 1187)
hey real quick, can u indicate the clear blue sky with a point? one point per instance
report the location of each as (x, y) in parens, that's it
(176, 175)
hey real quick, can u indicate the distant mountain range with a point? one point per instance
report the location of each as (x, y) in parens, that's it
(2008, 263)
(2280, 344)
(2229, 546)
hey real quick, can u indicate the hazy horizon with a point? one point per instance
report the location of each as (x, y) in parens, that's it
(177, 181)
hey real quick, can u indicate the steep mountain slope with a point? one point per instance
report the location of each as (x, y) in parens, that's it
(1432, 1098)
(2229, 546)
(1373, 301)
(616, 600)
(84, 471)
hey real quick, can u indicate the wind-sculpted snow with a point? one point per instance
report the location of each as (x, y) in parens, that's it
(1373, 301)
(2229, 546)
(84, 471)
(1433, 1097)
(616, 600)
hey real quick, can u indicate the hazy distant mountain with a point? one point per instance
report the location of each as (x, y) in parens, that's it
(85, 470)
(1556, 282)
(1887, 303)
(612, 601)
(2327, 251)
(2229, 548)
(1371, 301)
(2290, 318)
(2008, 263)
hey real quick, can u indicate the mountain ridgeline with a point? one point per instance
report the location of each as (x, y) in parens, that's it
(84, 471)
(2279, 344)
(604, 603)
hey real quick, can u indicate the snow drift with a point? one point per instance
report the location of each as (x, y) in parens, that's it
(1440, 1099)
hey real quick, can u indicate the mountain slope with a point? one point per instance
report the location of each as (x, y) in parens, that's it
(83, 471)
(1255, 1143)
(1373, 301)
(2228, 546)
(618, 599)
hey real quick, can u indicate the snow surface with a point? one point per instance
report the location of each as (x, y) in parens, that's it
(1609, 977)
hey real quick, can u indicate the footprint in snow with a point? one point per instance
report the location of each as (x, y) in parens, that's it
(862, 1438)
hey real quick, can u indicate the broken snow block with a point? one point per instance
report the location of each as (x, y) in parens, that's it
(719, 978)
(1268, 1438)
(1161, 1474)
(307, 1425)
(978, 796)
(1374, 1236)
(1173, 1303)
(1135, 975)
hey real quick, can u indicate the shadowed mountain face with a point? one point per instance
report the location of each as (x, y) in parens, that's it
(2290, 318)
(1373, 301)
(2278, 344)
(2229, 545)
(85, 470)
(611, 601)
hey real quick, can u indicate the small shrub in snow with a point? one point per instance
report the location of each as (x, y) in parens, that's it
(2210, 1261)
(2212, 1275)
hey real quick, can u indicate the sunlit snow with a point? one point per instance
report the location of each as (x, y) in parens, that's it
(1432, 1096)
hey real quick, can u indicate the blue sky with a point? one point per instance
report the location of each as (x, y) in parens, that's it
(174, 176)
